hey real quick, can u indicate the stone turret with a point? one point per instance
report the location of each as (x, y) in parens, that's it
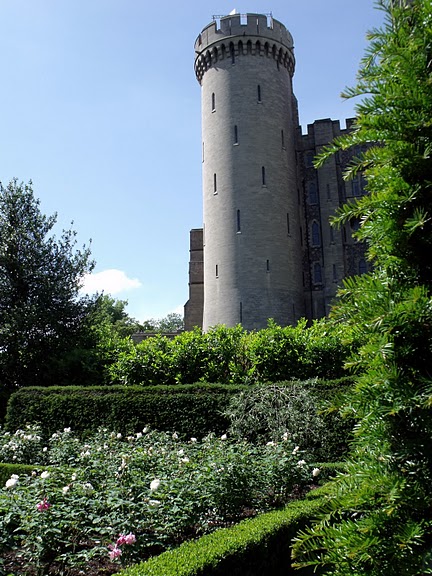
(252, 243)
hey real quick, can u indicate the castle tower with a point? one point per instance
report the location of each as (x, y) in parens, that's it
(252, 231)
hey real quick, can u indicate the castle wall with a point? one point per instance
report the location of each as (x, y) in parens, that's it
(193, 309)
(329, 254)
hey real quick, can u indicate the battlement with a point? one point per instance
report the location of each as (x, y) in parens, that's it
(242, 34)
(243, 25)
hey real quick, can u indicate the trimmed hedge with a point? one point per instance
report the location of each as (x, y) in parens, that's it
(259, 546)
(189, 409)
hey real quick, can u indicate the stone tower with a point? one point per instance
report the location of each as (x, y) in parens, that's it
(252, 230)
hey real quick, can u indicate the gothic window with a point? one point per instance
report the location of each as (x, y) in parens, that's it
(217, 270)
(283, 139)
(263, 176)
(357, 185)
(238, 221)
(214, 184)
(317, 273)
(312, 193)
(309, 158)
(316, 236)
(268, 266)
(288, 223)
(213, 102)
(235, 134)
(259, 93)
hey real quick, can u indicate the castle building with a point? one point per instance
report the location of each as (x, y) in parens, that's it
(266, 249)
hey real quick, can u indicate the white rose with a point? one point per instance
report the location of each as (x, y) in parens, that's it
(11, 482)
(154, 485)
(223, 437)
(315, 472)
(45, 474)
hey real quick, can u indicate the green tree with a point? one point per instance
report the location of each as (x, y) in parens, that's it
(379, 519)
(112, 314)
(172, 322)
(41, 313)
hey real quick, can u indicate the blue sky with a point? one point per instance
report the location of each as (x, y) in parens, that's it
(100, 108)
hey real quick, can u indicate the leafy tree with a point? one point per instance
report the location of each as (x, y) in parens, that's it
(172, 322)
(41, 313)
(379, 519)
(112, 314)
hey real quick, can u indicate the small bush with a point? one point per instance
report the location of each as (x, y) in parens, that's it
(294, 409)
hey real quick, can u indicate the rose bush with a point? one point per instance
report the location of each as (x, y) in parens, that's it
(127, 498)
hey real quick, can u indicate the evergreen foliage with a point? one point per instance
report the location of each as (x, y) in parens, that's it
(386, 519)
(41, 313)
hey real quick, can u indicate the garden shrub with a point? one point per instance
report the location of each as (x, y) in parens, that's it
(235, 356)
(152, 486)
(298, 410)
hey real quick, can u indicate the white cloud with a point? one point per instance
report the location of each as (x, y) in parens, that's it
(109, 281)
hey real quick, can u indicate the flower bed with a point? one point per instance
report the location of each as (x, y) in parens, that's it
(112, 501)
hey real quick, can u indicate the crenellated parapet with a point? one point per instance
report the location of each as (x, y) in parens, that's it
(241, 35)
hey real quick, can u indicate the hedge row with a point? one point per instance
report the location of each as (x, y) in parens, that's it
(190, 410)
(259, 546)
(233, 355)
(6, 471)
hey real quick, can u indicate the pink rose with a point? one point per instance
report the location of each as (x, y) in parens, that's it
(115, 552)
(44, 505)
